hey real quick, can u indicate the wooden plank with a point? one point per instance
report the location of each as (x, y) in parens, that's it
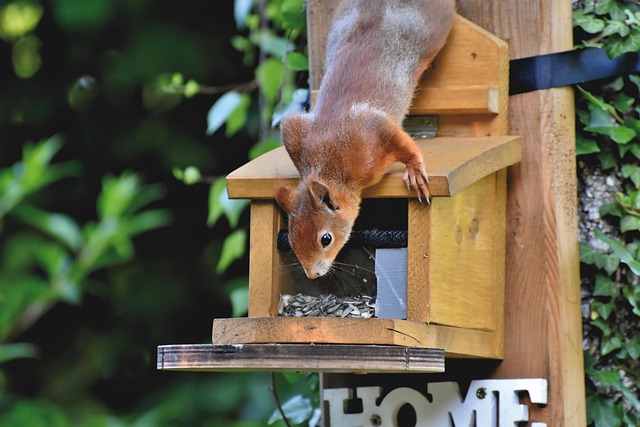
(471, 57)
(466, 62)
(452, 163)
(456, 100)
(300, 357)
(321, 330)
(419, 228)
(500, 252)
(463, 263)
(542, 252)
(480, 99)
(456, 342)
(264, 258)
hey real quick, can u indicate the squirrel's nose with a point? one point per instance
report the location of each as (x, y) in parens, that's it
(312, 274)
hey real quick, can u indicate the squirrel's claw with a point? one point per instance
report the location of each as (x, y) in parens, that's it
(417, 179)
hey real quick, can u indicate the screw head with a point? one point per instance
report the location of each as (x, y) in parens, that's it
(375, 420)
(481, 393)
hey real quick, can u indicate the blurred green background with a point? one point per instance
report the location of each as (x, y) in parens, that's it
(105, 251)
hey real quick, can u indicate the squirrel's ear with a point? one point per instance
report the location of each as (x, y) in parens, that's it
(320, 194)
(285, 197)
(294, 128)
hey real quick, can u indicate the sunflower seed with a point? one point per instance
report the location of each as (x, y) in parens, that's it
(328, 305)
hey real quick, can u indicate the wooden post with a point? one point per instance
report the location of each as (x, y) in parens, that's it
(543, 336)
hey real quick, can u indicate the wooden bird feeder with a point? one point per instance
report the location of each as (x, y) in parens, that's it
(445, 294)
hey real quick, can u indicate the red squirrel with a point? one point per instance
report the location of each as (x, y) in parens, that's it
(376, 52)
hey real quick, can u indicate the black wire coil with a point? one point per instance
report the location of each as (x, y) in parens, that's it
(361, 238)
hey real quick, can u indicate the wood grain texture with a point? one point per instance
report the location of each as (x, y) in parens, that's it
(456, 342)
(419, 225)
(299, 357)
(264, 257)
(472, 57)
(456, 100)
(464, 261)
(542, 251)
(322, 330)
(452, 163)
(432, 101)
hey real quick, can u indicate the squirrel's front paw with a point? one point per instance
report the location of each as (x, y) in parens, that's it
(417, 179)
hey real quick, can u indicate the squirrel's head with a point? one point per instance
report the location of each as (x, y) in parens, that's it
(320, 223)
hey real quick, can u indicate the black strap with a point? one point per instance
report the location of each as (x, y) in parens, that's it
(568, 68)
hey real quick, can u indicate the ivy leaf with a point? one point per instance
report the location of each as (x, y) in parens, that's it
(591, 256)
(603, 412)
(603, 326)
(221, 110)
(612, 344)
(588, 22)
(607, 378)
(610, 7)
(623, 102)
(633, 296)
(605, 287)
(632, 172)
(586, 146)
(607, 159)
(233, 248)
(621, 134)
(588, 254)
(633, 347)
(604, 7)
(604, 309)
(629, 395)
(609, 263)
(612, 209)
(620, 251)
(619, 45)
(633, 148)
(602, 125)
(615, 27)
(629, 223)
(597, 101)
(635, 79)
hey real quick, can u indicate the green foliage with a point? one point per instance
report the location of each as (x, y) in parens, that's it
(91, 279)
(302, 404)
(613, 25)
(52, 265)
(609, 124)
(273, 28)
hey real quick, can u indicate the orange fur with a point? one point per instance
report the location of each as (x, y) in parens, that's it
(377, 50)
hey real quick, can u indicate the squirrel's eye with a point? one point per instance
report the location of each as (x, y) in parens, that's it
(326, 240)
